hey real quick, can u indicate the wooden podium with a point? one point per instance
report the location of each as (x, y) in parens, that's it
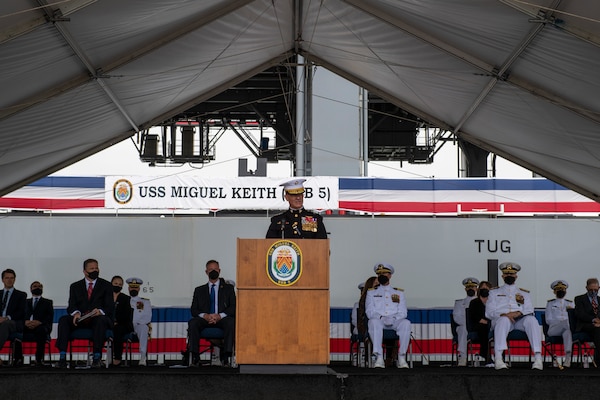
(281, 326)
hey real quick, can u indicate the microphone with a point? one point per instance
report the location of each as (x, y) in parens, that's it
(283, 228)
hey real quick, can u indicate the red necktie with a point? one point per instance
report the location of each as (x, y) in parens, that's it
(90, 288)
(595, 306)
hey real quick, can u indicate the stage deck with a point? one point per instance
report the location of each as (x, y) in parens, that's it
(341, 381)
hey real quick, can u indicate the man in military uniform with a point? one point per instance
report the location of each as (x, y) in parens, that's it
(557, 317)
(386, 309)
(510, 308)
(142, 316)
(460, 318)
(296, 222)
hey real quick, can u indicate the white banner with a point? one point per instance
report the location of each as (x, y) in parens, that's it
(245, 193)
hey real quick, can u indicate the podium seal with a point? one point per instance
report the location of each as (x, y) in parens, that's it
(284, 263)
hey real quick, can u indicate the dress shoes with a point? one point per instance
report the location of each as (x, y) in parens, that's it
(499, 364)
(401, 363)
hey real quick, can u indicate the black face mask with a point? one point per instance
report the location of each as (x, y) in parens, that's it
(484, 292)
(561, 293)
(36, 292)
(383, 279)
(212, 275)
(134, 293)
(93, 275)
(117, 289)
(509, 280)
(470, 292)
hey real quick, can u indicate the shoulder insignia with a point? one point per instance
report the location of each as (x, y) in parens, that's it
(525, 290)
(143, 298)
(551, 300)
(570, 301)
(399, 289)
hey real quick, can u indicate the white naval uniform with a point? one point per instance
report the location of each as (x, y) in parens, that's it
(460, 317)
(384, 313)
(557, 319)
(504, 300)
(142, 316)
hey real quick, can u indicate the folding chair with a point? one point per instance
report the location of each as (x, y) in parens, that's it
(86, 335)
(514, 337)
(473, 338)
(389, 336)
(582, 341)
(128, 340)
(550, 342)
(358, 348)
(454, 331)
(20, 338)
(209, 338)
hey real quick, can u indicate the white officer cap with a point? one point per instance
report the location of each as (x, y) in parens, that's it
(361, 286)
(470, 282)
(381, 268)
(294, 186)
(134, 282)
(509, 267)
(559, 284)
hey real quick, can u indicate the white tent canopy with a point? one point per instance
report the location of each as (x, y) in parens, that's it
(515, 78)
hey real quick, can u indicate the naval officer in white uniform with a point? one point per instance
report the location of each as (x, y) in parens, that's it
(460, 318)
(510, 307)
(386, 309)
(142, 316)
(557, 317)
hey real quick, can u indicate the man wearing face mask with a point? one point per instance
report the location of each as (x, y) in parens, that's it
(510, 308)
(90, 305)
(142, 316)
(213, 305)
(459, 315)
(39, 317)
(386, 309)
(588, 319)
(479, 323)
(557, 317)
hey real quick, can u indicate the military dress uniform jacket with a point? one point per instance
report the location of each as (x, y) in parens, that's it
(556, 310)
(386, 301)
(459, 313)
(508, 298)
(142, 310)
(297, 224)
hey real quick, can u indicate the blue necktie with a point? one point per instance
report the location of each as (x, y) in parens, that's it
(212, 299)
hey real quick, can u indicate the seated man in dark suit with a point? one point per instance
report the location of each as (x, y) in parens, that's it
(588, 318)
(91, 305)
(39, 316)
(12, 307)
(213, 305)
